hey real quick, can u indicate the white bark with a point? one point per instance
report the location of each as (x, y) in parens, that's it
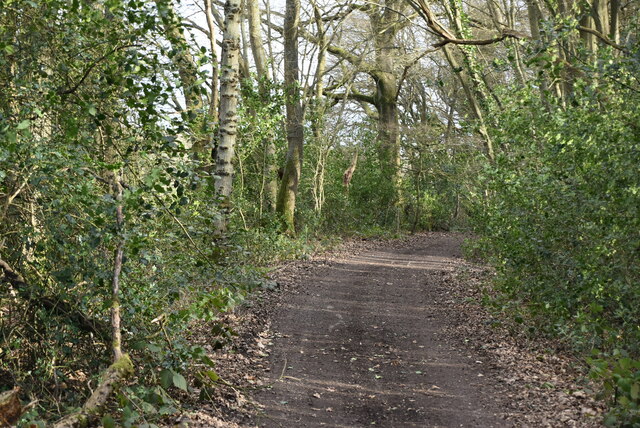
(215, 98)
(255, 37)
(228, 108)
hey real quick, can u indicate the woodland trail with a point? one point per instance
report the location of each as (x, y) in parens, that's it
(364, 342)
(392, 334)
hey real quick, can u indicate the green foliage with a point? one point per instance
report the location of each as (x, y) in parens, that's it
(620, 376)
(434, 187)
(560, 216)
(368, 204)
(83, 109)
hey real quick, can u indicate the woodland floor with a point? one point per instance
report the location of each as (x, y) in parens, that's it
(392, 334)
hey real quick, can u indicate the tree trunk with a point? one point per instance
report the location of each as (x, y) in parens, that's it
(348, 174)
(319, 106)
(614, 22)
(215, 96)
(286, 203)
(267, 7)
(255, 37)
(601, 16)
(228, 110)
(388, 125)
(588, 39)
(535, 17)
(116, 334)
(385, 24)
(245, 71)
(264, 75)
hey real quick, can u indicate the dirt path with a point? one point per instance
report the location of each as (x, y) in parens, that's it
(391, 334)
(364, 343)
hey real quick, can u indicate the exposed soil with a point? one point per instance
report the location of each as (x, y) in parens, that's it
(362, 344)
(391, 334)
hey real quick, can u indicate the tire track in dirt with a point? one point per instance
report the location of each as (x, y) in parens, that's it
(363, 343)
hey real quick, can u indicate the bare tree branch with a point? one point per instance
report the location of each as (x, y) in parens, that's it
(423, 9)
(352, 95)
(603, 38)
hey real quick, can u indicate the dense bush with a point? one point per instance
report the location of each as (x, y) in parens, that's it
(561, 217)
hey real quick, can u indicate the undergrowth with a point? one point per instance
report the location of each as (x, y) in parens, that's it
(560, 223)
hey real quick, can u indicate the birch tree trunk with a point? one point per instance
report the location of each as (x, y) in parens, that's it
(215, 96)
(228, 110)
(286, 203)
